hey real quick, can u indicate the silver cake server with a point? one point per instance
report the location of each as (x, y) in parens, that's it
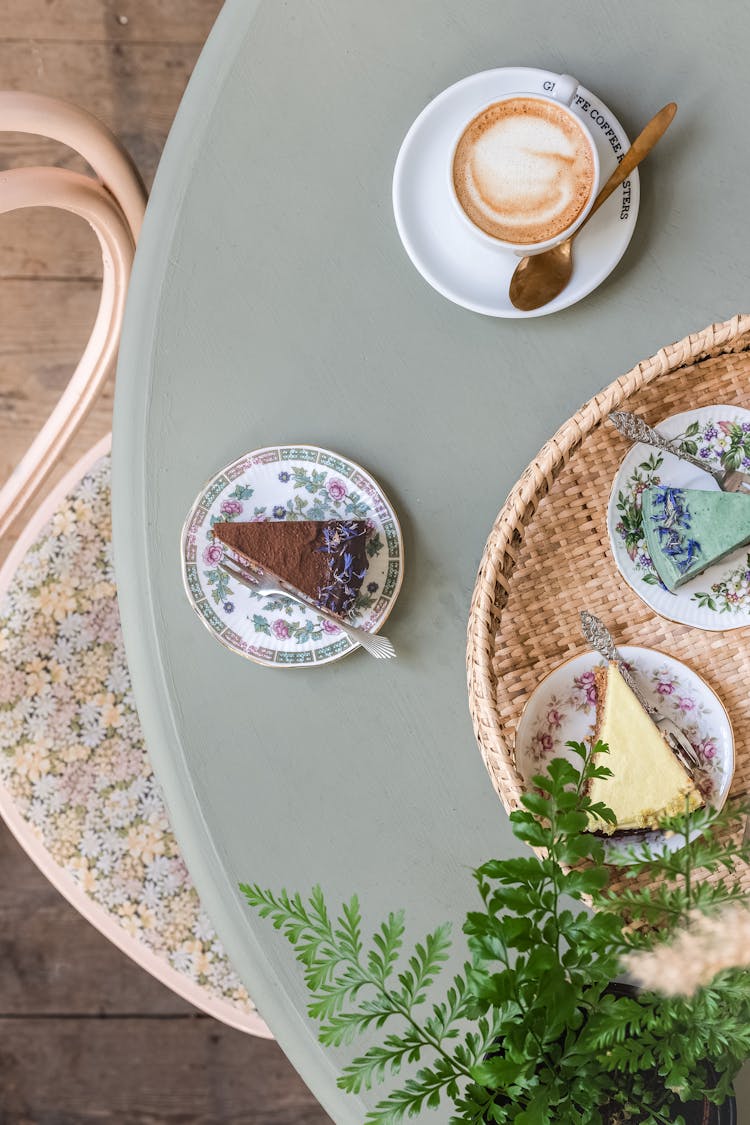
(635, 429)
(597, 634)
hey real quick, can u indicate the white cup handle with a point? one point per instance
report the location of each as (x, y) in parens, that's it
(562, 88)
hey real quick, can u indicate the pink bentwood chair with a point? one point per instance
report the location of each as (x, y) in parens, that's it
(76, 786)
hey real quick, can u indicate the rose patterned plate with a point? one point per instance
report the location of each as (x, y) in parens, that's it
(294, 482)
(720, 597)
(563, 709)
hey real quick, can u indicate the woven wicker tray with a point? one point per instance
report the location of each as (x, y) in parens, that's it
(548, 556)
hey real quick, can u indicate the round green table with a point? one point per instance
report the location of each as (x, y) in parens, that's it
(272, 302)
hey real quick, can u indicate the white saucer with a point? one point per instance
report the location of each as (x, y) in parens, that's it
(563, 709)
(441, 247)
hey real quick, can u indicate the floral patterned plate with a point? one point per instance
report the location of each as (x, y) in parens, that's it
(294, 482)
(563, 709)
(720, 597)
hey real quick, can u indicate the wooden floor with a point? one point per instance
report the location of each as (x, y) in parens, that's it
(85, 1035)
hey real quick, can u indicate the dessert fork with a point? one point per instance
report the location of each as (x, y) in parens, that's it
(599, 637)
(635, 429)
(262, 581)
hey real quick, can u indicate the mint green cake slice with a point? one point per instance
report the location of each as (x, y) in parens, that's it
(688, 530)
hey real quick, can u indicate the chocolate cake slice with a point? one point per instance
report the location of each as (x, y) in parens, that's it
(325, 559)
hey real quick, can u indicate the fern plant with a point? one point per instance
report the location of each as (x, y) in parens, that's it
(530, 1030)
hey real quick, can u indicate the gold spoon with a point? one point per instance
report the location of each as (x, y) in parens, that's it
(540, 277)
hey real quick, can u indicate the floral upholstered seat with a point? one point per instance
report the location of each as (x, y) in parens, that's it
(76, 784)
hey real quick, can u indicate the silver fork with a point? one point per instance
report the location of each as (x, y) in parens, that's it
(263, 582)
(635, 429)
(599, 637)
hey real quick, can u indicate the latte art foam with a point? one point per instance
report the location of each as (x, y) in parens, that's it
(523, 170)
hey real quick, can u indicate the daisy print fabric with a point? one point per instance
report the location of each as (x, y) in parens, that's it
(72, 754)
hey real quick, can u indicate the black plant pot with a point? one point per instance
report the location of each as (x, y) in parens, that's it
(694, 1113)
(704, 1113)
(707, 1114)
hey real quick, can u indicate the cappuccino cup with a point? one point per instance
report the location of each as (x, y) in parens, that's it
(524, 171)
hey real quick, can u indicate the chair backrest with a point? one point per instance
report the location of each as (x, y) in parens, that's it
(113, 204)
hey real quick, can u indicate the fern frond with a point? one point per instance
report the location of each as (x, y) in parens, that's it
(387, 940)
(424, 965)
(423, 1091)
(330, 997)
(440, 1024)
(363, 1072)
(349, 928)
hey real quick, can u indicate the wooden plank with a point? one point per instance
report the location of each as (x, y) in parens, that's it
(44, 321)
(133, 88)
(147, 1072)
(46, 243)
(145, 21)
(44, 326)
(52, 960)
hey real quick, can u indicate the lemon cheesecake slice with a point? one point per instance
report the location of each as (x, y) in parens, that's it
(648, 783)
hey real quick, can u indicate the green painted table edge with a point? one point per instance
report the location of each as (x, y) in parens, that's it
(140, 617)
